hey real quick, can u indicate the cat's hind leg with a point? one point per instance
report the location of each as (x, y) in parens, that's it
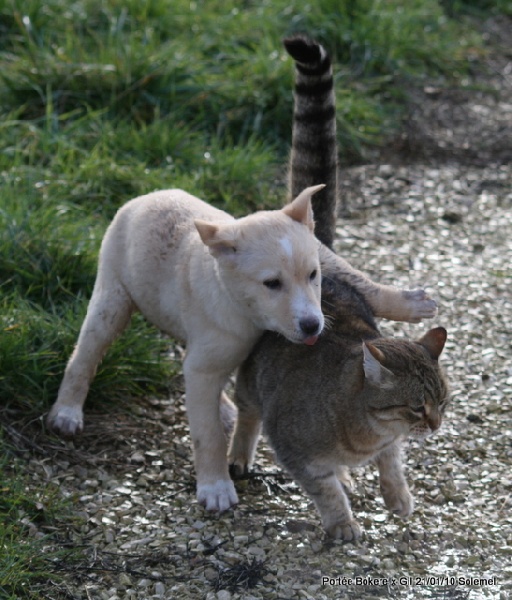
(247, 431)
(228, 414)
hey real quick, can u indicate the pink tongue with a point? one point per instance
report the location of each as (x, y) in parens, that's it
(310, 341)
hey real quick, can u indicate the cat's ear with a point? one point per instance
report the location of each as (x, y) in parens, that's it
(219, 239)
(433, 341)
(375, 372)
(300, 209)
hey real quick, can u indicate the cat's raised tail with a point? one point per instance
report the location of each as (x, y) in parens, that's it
(314, 155)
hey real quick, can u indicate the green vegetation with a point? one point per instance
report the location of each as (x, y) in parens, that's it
(27, 517)
(102, 101)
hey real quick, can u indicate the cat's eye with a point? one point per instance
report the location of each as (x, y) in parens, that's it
(313, 275)
(273, 284)
(422, 411)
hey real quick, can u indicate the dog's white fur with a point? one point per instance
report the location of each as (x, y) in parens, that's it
(213, 281)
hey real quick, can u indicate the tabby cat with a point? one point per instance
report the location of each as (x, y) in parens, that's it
(351, 398)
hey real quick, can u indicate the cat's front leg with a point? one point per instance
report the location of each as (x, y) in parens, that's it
(326, 491)
(393, 485)
(343, 474)
(348, 531)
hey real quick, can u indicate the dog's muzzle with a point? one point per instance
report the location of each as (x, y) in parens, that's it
(311, 327)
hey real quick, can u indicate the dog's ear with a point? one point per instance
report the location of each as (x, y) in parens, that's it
(220, 240)
(300, 209)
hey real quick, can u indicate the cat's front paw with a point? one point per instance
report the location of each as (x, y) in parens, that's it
(218, 496)
(400, 502)
(421, 305)
(348, 531)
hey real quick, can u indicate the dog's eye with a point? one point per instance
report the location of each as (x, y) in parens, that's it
(313, 275)
(272, 284)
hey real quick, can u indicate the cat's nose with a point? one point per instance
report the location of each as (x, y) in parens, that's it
(434, 421)
(310, 326)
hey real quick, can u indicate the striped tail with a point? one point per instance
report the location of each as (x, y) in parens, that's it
(314, 156)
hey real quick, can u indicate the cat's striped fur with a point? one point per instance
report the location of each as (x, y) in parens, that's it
(354, 396)
(314, 155)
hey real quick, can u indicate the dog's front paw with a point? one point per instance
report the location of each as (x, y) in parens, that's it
(399, 501)
(67, 421)
(421, 305)
(218, 496)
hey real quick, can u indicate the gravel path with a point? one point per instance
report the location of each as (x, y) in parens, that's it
(140, 533)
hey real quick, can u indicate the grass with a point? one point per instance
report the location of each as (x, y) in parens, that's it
(27, 549)
(103, 101)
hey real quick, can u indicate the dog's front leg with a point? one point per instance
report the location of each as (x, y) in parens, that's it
(203, 388)
(385, 301)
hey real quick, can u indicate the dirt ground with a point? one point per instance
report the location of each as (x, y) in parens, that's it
(434, 211)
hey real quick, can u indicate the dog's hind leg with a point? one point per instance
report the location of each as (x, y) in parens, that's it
(107, 316)
(203, 389)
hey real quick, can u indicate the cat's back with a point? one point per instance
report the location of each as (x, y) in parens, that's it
(347, 312)
(276, 364)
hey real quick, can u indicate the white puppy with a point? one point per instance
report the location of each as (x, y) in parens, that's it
(213, 281)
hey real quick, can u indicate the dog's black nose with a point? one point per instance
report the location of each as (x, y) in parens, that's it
(310, 326)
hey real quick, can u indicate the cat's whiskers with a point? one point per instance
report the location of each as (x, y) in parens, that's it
(328, 322)
(420, 432)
